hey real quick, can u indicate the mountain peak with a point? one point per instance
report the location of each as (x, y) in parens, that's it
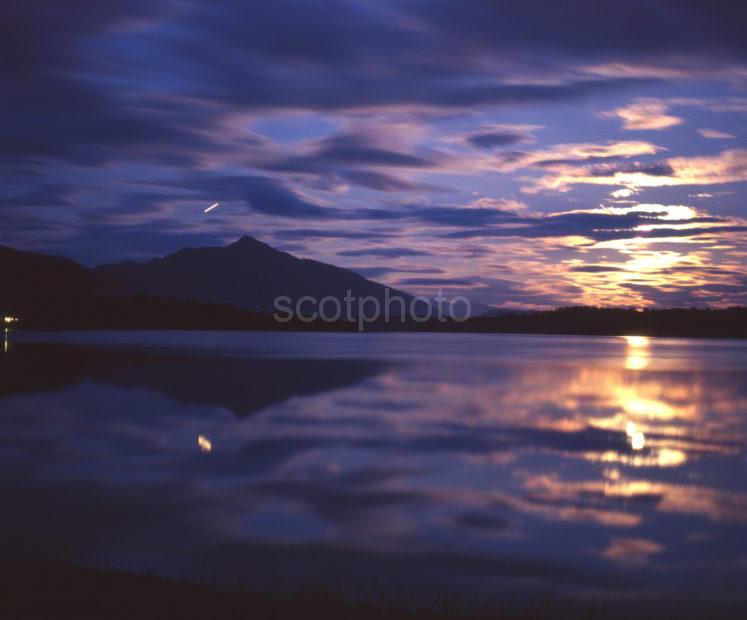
(245, 241)
(247, 273)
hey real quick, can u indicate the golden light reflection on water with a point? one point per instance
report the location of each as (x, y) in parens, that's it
(637, 357)
(637, 341)
(637, 438)
(663, 416)
(545, 440)
(205, 444)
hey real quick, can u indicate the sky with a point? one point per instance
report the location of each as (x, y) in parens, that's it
(526, 154)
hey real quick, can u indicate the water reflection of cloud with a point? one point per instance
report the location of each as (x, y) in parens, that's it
(713, 504)
(631, 550)
(519, 453)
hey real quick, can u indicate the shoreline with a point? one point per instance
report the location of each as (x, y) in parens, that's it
(40, 588)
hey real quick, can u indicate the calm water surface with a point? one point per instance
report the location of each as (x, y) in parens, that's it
(596, 465)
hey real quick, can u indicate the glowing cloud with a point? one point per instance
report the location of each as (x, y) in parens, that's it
(714, 134)
(645, 116)
(727, 167)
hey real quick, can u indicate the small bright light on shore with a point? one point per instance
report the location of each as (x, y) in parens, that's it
(205, 444)
(211, 207)
(10, 319)
(637, 441)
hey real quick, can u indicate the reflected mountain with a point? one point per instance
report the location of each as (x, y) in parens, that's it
(242, 385)
(498, 463)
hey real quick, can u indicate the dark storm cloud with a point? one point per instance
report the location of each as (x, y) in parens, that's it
(598, 226)
(57, 106)
(272, 197)
(387, 252)
(177, 60)
(262, 194)
(313, 233)
(349, 151)
(47, 195)
(12, 221)
(377, 272)
(435, 282)
(382, 182)
(356, 149)
(654, 169)
(360, 55)
(595, 269)
(683, 296)
(286, 54)
(372, 272)
(481, 521)
(353, 158)
(491, 140)
(440, 216)
(586, 27)
(350, 55)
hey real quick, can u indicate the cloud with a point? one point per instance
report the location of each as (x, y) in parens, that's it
(631, 550)
(263, 194)
(349, 150)
(47, 195)
(378, 272)
(727, 167)
(650, 169)
(386, 252)
(435, 282)
(595, 268)
(352, 149)
(608, 224)
(382, 182)
(489, 140)
(734, 105)
(560, 155)
(482, 521)
(122, 118)
(365, 158)
(645, 116)
(662, 27)
(714, 134)
(207, 63)
(318, 233)
(272, 197)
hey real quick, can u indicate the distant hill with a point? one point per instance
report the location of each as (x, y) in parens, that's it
(29, 281)
(233, 287)
(248, 273)
(221, 286)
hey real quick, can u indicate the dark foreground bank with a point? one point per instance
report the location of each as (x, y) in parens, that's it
(33, 589)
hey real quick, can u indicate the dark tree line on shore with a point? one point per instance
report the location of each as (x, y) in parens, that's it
(146, 312)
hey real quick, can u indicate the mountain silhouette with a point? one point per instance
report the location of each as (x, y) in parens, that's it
(29, 280)
(247, 273)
